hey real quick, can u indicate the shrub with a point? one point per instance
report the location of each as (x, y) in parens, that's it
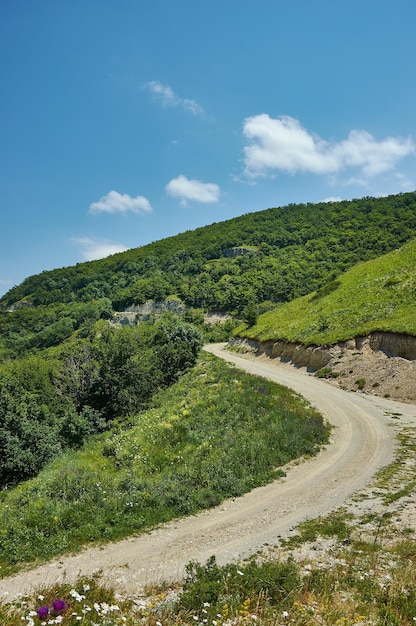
(327, 372)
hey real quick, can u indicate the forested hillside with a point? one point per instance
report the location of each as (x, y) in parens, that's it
(56, 399)
(282, 253)
(242, 266)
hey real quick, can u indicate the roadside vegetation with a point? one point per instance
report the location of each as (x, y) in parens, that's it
(214, 434)
(374, 295)
(356, 569)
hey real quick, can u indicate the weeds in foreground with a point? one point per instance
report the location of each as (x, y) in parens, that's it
(366, 584)
(87, 604)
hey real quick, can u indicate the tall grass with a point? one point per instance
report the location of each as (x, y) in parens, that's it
(216, 433)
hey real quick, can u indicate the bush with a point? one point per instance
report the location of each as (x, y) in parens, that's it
(327, 372)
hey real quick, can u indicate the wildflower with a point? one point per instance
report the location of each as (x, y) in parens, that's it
(285, 614)
(59, 607)
(42, 612)
(77, 596)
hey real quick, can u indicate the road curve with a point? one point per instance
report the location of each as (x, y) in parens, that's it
(362, 441)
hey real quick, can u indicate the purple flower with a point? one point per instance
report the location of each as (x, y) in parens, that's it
(59, 607)
(42, 612)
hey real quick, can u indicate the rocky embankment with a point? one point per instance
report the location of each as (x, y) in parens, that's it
(381, 363)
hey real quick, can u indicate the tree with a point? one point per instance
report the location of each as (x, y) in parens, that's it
(29, 435)
(177, 346)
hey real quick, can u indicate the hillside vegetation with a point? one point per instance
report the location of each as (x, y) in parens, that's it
(377, 295)
(276, 254)
(214, 434)
(242, 266)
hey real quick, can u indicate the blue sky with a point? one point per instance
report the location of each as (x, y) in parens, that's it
(126, 121)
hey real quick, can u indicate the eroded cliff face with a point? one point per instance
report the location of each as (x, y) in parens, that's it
(143, 312)
(392, 344)
(381, 363)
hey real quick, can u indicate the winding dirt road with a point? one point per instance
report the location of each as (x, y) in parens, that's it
(363, 440)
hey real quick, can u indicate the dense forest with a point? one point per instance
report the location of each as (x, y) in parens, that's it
(250, 262)
(55, 400)
(277, 254)
(66, 373)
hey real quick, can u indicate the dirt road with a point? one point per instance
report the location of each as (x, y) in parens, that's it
(362, 441)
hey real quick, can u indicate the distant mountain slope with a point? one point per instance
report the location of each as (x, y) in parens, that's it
(377, 295)
(273, 255)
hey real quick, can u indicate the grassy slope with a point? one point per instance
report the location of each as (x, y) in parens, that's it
(375, 295)
(216, 433)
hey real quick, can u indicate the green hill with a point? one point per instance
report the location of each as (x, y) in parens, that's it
(374, 295)
(242, 266)
(273, 255)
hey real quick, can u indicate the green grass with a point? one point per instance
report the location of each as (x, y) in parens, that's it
(333, 525)
(368, 578)
(399, 479)
(364, 584)
(375, 295)
(217, 433)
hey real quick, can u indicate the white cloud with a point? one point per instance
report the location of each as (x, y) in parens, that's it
(283, 144)
(93, 248)
(168, 98)
(115, 202)
(188, 189)
(332, 199)
(5, 281)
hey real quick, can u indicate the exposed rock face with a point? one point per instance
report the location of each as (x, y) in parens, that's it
(381, 363)
(311, 357)
(393, 344)
(22, 304)
(144, 312)
(238, 251)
